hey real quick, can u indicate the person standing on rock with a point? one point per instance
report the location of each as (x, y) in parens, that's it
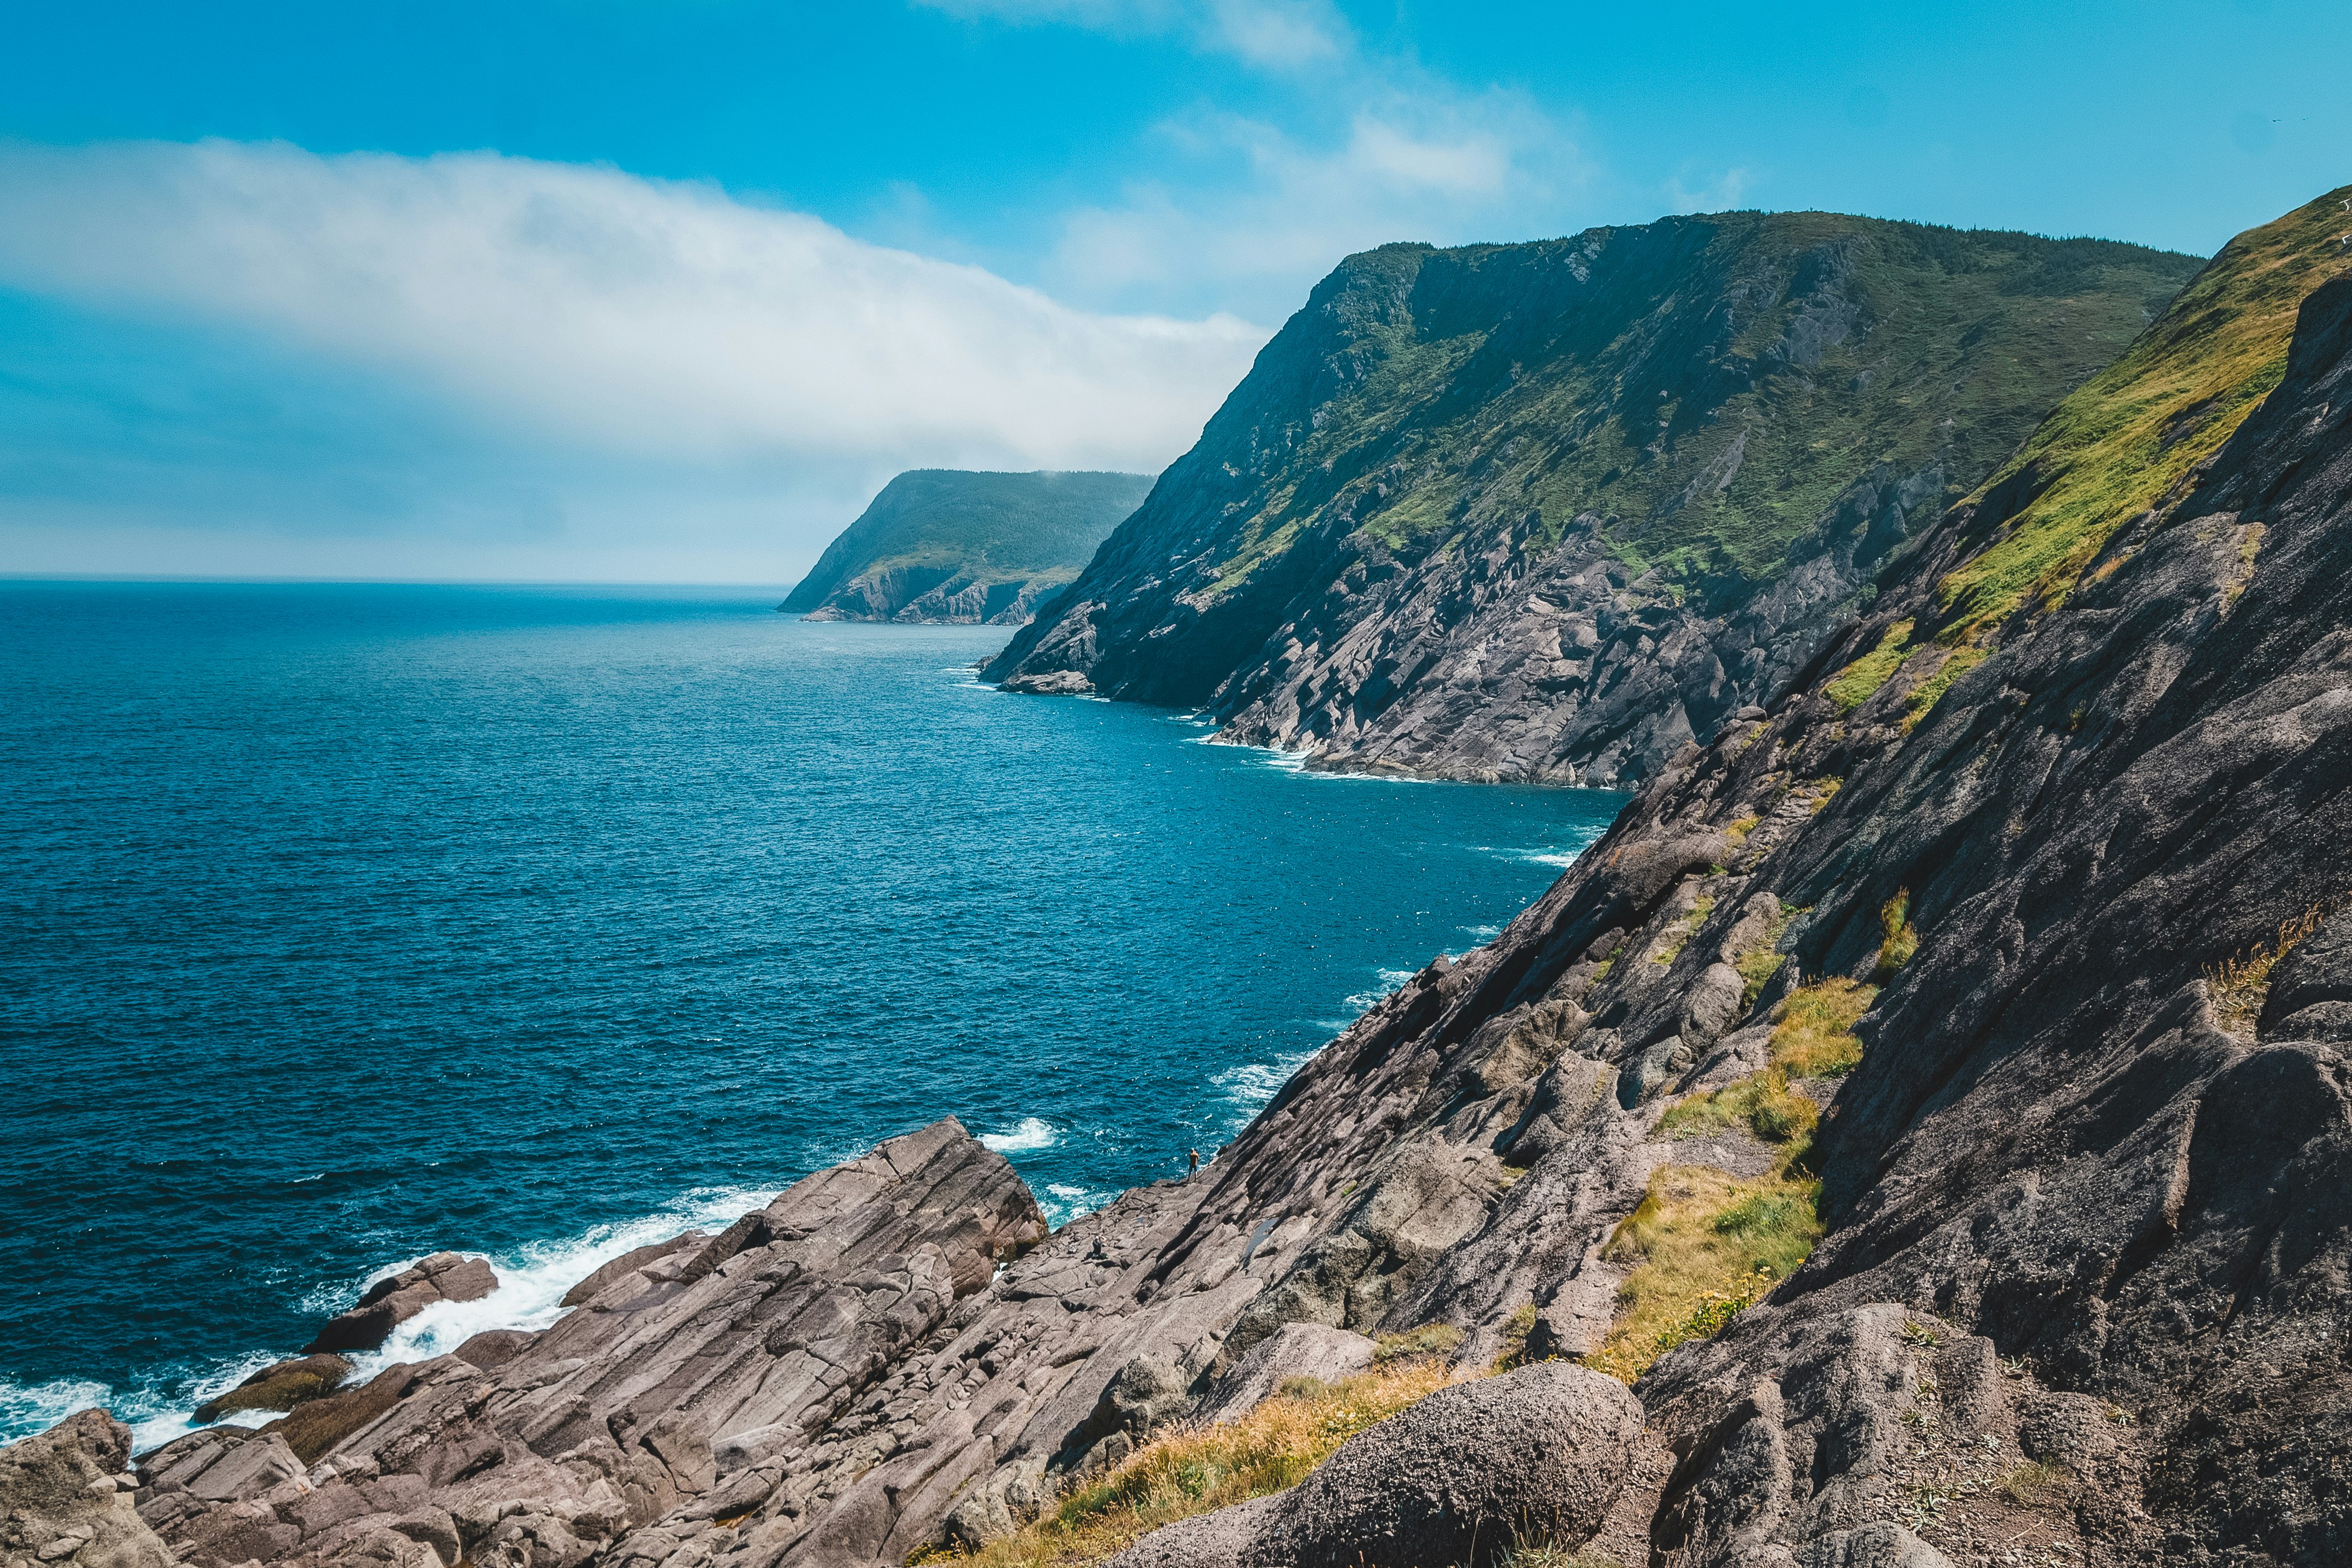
(1196, 1162)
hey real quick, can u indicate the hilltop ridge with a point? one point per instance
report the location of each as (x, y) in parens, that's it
(1547, 512)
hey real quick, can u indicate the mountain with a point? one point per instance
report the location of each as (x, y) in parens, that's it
(943, 544)
(1548, 512)
(1931, 1103)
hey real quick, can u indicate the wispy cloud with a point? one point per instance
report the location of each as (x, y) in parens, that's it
(1273, 34)
(663, 320)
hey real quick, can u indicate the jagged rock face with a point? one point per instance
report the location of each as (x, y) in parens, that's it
(1550, 512)
(947, 546)
(66, 1499)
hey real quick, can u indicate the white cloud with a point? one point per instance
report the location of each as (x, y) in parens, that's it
(1421, 162)
(653, 320)
(1275, 33)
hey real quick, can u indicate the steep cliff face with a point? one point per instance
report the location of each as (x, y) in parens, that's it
(1549, 511)
(2006, 954)
(943, 546)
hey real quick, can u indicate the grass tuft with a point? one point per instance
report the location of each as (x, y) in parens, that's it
(1762, 1101)
(1858, 681)
(1901, 940)
(1427, 1341)
(1815, 1038)
(1678, 934)
(2033, 1485)
(2240, 984)
(1708, 1244)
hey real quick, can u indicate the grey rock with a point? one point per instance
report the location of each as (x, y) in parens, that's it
(1545, 1448)
(58, 1503)
(1295, 1350)
(1879, 1545)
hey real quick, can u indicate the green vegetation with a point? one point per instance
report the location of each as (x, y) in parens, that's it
(1705, 1244)
(1762, 1101)
(1815, 1038)
(1678, 934)
(1429, 1339)
(2116, 447)
(1479, 387)
(944, 524)
(1197, 1471)
(2033, 1485)
(1924, 697)
(1858, 681)
(1899, 940)
(1759, 963)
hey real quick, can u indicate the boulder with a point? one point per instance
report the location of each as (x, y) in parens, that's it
(280, 1386)
(389, 1302)
(493, 1348)
(628, 1263)
(66, 1502)
(1544, 1449)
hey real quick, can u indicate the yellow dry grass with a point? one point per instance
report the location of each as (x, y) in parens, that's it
(1708, 1243)
(2240, 985)
(1815, 1038)
(1201, 1469)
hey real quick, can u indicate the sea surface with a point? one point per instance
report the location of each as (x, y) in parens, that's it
(344, 924)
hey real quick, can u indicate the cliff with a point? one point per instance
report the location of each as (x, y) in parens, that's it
(1932, 1096)
(944, 545)
(1548, 512)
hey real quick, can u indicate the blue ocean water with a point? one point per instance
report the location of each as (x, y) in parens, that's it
(345, 924)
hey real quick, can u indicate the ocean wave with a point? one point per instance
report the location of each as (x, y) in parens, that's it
(1482, 933)
(1027, 1135)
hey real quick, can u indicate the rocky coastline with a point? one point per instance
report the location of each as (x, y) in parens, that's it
(1977, 1007)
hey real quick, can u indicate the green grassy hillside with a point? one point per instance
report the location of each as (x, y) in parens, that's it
(1715, 399)
(950, 524)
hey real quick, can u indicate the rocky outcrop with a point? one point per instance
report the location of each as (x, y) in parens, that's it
(1294, 1351)
(66, 1499)
(944, 547)
(281, 1386)
(1552, 512)
(389, 1302)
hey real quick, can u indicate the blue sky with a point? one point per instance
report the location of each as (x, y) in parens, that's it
(664, 292)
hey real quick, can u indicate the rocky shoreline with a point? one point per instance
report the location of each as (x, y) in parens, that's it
(1976, 1010)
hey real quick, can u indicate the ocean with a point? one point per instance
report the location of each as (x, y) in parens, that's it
(345, 924)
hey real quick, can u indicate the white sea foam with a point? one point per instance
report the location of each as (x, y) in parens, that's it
(533, 1277)
(1026, 1136)
(1482, 932)
(1361, 1002)
(532, 1282)
(1063, 1202)
(1249, 1086)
